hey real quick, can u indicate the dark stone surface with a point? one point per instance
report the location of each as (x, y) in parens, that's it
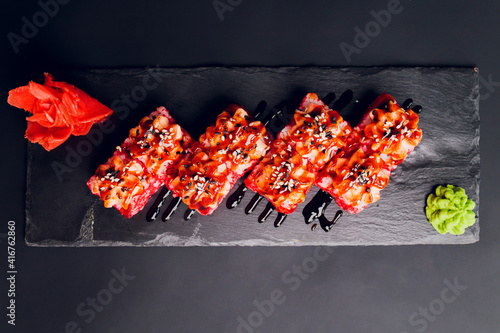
(60, 210)
(376, 289)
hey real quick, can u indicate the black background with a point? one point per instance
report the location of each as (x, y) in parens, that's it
(357, 289)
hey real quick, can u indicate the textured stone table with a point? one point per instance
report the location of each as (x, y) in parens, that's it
(60, 210)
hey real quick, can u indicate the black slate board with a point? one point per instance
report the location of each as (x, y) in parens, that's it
(60, 210)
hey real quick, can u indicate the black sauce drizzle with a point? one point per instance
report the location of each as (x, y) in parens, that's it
(329, 98)
(316, 206)
(280, 219)
(171, 208)
(343, 100)
(266, 212)
(235, 198)
(189, 214)
(261, 107)
(256, 199)
(154, 211)
(407, 104)
(327, 225)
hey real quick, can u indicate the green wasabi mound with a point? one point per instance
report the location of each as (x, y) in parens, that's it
(450, 210)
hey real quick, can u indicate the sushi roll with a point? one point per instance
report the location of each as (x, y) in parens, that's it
(300, 151)
(139, 165)
(228, 149)
(383, 139)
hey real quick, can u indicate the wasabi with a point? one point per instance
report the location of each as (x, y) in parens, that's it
(450, 210)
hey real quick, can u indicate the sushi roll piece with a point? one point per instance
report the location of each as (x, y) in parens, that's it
(300, 151)
(383, 139)
(139, 165)
(387, 129)
(227, 149)
(157, 142)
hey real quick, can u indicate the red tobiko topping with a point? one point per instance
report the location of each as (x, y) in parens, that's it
(58, 110)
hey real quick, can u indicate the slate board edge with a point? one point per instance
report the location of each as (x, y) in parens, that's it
(26, 201)
(53, 243)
